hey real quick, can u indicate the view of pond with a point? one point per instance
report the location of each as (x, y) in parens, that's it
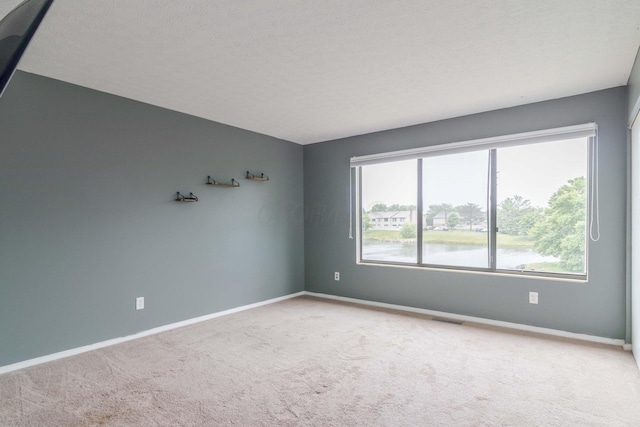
(450, 254)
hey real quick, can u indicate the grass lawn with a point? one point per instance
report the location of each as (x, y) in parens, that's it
(382, 234)
(455, 237)
(507, 241)
(550, 267)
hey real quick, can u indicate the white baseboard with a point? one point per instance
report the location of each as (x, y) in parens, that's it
(463, 318)
(451, 316)
(102, 344)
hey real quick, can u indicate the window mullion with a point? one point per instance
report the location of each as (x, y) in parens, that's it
(419, 225)
(492, 208)
(359, 206)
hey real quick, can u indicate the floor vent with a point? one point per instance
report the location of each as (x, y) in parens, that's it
(440, 319)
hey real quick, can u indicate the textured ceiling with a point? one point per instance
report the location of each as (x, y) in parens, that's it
(310, 71)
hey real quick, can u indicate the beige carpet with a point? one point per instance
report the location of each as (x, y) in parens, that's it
(312, 362)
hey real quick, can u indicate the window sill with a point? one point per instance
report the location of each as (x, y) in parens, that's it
(515, 274)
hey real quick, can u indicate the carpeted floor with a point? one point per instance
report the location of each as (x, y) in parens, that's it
(307, 361)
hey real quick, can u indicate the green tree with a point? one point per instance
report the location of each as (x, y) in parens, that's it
(530, 219)
(453, 220)
(435, 210)
(382, 207)
(471, 213)
(561, 231)
(366, 221)
(516, 216)
(379, 207)
(408, 231)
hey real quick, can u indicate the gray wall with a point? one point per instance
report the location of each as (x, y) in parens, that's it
(596, 307)
(88, 221)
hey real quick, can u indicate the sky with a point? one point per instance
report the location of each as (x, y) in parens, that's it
(533, 171)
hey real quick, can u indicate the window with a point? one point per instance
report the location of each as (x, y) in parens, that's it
(541, 211)
(387, 189)
(508, 204)
(454, 197)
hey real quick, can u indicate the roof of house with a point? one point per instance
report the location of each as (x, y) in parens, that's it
(390, 214)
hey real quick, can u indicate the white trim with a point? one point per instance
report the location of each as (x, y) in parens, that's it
(79, 350)
(107, 343)
(635, 113)
(358, 216)
(586, 130)
(463, 318)
(512, 275)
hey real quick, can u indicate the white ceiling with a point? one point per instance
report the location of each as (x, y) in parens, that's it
(309, 71)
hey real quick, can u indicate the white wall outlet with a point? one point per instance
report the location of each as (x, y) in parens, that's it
(336, 276)
(533, 297)
(139, 303)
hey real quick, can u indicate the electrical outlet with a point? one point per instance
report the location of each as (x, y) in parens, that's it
(533, 297)
(139, 303)
(336, 276)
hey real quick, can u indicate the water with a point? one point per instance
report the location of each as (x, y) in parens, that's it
(452, 255)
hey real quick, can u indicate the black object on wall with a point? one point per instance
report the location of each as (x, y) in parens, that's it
(190, 198)
(16, 30)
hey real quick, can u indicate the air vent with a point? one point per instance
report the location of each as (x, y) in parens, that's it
(440, 319)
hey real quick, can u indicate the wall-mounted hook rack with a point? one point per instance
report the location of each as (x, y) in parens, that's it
(233, 183)
(253, 177)
(189, 198)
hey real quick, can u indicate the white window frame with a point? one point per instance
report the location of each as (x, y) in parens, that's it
(587, 130)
